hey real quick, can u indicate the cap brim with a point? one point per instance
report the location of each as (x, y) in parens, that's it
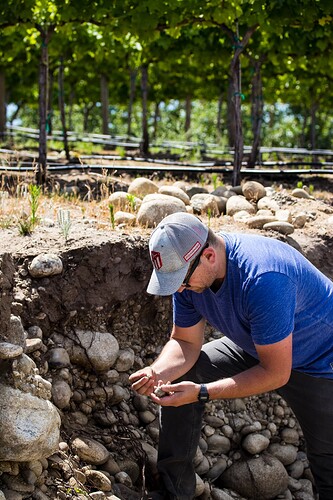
(166, 283)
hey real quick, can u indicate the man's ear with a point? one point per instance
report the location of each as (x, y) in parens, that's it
(210, 254)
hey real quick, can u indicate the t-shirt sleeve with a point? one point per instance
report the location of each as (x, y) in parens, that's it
(270, 305)
(184, 312)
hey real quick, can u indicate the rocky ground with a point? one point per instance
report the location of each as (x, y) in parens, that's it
(91, 220)
(63, 321)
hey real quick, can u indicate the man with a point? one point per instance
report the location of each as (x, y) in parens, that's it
(275, 310)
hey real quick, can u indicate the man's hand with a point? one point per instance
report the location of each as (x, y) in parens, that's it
(144, 381)
(177, 394)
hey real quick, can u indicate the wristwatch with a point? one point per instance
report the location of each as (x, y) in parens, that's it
(203, 395)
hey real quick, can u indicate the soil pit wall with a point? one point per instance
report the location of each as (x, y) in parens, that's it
(61, 323)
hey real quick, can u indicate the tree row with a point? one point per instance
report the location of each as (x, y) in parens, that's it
(58, 56)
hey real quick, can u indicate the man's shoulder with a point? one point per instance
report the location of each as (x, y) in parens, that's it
(244, 240)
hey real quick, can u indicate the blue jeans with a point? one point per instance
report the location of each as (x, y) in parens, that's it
(310, 398)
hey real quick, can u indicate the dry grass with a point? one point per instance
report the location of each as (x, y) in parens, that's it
(15, 202)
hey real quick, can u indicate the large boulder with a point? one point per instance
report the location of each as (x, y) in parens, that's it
(156, 207)
(206, 203)
(286, 453)
(262, 478)
(301, 193)
(175, 191)
(141, 187)
(10, 351)
(93, 350)
(47, 264)
(267, 203)
(238, 203)
(29, 426)
(280, 227)
(90, 450)
(253, 190)
(123, 201)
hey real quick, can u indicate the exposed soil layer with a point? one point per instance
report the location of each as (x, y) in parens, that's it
(105, 265)
(106, 271)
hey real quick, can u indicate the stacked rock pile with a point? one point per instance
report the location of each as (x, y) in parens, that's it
(251, 448)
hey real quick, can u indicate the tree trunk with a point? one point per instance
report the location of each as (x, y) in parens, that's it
(105, 104)
(219, 118)
(133, 73)
(144, 146)
(70, 114)
(156, 117)
(257, 112)
(235, 73)
(62, 107)
(231, 126)
(188, 111)
(49, 124)
(41, 173)
(86, 112)
(237, 100)
(3, 107)
(313, 138)
(302, 142)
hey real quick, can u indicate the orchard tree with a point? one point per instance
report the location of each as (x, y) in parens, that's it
(43, 18)
(132, 37)
(229, 18)
(11, 48)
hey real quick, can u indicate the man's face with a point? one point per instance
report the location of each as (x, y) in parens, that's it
(200, 276)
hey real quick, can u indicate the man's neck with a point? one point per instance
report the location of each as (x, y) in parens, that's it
(216, 285)
(222, 254)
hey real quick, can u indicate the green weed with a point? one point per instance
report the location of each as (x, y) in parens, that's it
(216, 181)
(209, 216)
(111, 210)
(64, 221)
(35, 192)
(131, 201)
(25, 226)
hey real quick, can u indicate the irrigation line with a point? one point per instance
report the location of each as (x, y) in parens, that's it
(169, 168)
(170, 164)
(134, 142)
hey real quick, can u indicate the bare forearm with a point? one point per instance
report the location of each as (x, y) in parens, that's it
(256, 380)
(272, 372)
(176, 358)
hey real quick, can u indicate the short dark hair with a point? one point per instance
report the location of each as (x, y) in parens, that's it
(212, 238)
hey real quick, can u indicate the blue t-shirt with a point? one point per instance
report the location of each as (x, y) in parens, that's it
(270, 290)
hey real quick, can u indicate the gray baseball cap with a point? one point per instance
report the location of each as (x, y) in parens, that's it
(175, 242)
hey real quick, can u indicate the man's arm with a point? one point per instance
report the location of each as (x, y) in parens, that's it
(273, 371)
(177, 357)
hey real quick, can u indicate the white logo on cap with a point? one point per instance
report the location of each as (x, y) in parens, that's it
(192, 251)
(156, 260)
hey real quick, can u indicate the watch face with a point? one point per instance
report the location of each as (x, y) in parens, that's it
(203, 396)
